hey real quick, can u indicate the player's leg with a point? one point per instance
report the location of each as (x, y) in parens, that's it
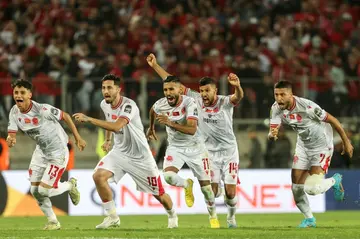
(299, 173)
(316, 183)
(215, 173)
(146, 175)
(50, 184)
(37, 169)
(230, 176)
(199, 165)
(109, 167)
(173, 162)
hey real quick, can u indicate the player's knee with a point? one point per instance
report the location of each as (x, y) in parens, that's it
(312, 184)
(43, 191)
(169, 177)
(230, 194)
(231, 201)
(99, 177)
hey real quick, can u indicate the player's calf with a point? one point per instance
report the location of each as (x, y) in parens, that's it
(167, 203)
(231, 202)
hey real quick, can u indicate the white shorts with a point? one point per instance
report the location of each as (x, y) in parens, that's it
(224, 165)
(48, 171)
(143, 171)
(305, 158)
(195, 157)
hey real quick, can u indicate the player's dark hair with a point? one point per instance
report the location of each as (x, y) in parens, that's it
(206, 81)
(174, 79)
(283, 84)
(22, 83)
(112, 77)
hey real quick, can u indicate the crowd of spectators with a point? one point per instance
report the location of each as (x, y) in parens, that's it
(313, 43)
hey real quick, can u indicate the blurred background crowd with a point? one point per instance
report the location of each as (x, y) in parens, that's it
(65, 47)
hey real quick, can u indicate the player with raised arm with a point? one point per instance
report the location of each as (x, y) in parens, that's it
(130, 154)
(49, 160)
(314, 147)
(180, 116)
(216, 124)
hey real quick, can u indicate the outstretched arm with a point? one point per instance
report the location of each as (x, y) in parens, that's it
(111, 126)
(239, 93)
(150, 133)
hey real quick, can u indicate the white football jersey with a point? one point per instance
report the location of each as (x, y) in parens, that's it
(307, 119)
(41, 123)
(130, 139)
(184, 110)
(216, 122)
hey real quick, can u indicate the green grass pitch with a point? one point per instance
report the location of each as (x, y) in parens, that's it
(344, 224)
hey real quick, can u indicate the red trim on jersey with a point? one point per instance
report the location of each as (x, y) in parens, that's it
(161, 188)
(124, 117)
(192, 117)
(180, 101)
(55, 185)
(186, 91)
(274, 125)
(118, 104)
(293, 105)
(12, 131)
(326, 117)
(28, 109)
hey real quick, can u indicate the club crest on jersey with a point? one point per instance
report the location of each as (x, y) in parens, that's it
(27, 121)
(114, 117)
(176, 113)
(128, 109)
(54, 111)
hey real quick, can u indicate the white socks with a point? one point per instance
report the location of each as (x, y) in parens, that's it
(62, 187)
(44, 203)
(174, 179)
(316, 184)
(210, 200)
(301, 200)
(110, 209)
(231, 206)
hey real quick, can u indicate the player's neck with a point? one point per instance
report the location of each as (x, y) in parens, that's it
(291, 105)
(27, 107)
(178, 101)
(116, 102)
(213, 102)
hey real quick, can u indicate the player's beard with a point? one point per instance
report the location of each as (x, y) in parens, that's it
(208, 101)
(174, 100)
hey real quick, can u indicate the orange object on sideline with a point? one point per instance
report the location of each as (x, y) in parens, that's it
(4, 155)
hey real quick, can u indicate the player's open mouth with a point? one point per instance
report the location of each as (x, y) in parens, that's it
(19, 101)
(171, 99)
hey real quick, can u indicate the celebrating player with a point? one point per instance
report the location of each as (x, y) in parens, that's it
(49, 160)
(130, 154)
(180, 116)
(314, 147)
(216, 124)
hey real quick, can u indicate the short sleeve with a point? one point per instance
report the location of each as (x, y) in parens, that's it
(156, 107)
(316, 112)
(51, 113)
(128, 111)
(192, 93)
(228, 102)
(12, 126)
(192, 111)
(275, 116)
